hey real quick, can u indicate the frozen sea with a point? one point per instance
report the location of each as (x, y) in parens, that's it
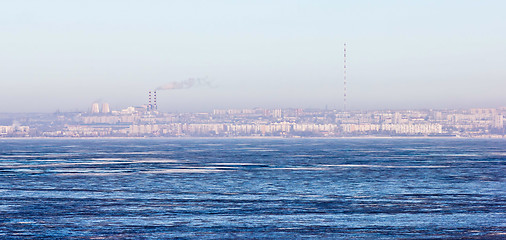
(253, 188)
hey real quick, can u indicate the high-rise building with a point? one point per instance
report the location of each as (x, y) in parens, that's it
(498, 121)
(397, 118)
(277, 113)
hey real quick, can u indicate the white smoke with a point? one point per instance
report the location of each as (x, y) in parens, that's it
(189, 83)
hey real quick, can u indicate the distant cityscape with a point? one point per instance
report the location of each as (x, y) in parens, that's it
(147, 121)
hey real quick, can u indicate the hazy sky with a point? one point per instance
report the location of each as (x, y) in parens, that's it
(64, 55)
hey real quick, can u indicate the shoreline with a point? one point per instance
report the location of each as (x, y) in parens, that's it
(253, 137)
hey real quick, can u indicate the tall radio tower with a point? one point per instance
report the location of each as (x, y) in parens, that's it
(344, 75)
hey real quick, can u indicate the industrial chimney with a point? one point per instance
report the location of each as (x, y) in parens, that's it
(155, 107)
(105, 108)
(95, 108)
(149, 102)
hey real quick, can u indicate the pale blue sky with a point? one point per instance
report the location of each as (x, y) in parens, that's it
(401, 54)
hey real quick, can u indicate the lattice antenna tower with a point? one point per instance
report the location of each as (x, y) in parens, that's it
(344, 76)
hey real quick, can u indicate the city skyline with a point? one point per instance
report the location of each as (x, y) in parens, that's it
(146, 121)
(60, 55)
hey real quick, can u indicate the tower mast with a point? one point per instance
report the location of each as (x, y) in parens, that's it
(344, 75)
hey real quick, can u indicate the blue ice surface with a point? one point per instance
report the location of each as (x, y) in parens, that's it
(252, 188)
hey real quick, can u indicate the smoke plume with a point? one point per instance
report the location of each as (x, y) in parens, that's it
(189, 83)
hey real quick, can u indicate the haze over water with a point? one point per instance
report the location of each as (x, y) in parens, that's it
(64, 55)
(252, 188)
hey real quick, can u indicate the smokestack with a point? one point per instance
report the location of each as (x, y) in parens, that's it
(149, 104)
(154, 101)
